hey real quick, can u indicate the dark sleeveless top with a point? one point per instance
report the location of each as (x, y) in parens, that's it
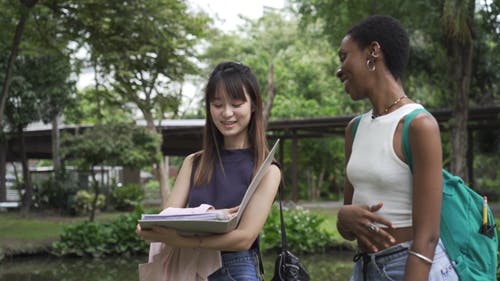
(228, 185)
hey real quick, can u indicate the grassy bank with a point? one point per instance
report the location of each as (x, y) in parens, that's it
(35, 233)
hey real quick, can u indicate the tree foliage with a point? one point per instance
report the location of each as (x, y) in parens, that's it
(113, 145)
(101, 105)
(305, 86)
(443, 70)
(143, 49)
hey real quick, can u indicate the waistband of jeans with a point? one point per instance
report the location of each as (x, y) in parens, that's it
(386, 253)
(251, 251)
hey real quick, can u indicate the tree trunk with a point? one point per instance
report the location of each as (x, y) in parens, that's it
(3, 168)
(271, 91)
(162, 176)
(16, 42)
(319, 184)
(459, 44)
(295, 186)
(311, 184)
(28, 188)
(95, 186)
(161, 168)
(460, 55)
(56, 159)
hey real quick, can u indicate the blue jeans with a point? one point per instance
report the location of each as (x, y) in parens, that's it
(238, 266)
(389, 265)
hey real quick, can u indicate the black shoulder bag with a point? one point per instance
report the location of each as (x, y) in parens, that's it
(287, 266)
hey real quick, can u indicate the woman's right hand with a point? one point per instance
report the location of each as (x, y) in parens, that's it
(362, 222)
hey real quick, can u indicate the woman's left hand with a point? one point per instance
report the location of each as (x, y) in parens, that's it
(361, 221)
(231, 212)
(161, 234)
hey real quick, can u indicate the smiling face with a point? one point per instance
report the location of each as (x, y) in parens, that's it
(353, 72)
(231, 117)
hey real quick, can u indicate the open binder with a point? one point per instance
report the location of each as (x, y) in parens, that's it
(211, 221)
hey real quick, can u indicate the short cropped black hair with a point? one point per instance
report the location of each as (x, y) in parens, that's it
(391, 36)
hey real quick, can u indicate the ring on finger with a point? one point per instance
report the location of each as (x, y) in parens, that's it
(373, 227)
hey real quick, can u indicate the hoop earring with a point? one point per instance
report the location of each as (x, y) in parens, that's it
(370, 64)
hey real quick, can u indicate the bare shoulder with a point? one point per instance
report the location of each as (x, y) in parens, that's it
(190, 158)
(274, 171)
(425, 135)
(423, 124)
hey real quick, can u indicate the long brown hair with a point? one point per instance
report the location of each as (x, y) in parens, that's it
(235, 79)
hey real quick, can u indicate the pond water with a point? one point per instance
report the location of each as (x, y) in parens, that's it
(334, 266)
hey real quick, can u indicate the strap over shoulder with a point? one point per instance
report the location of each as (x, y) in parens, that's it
(355, 126)
(405, 136)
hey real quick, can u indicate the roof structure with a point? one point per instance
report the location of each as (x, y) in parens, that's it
(181, 137)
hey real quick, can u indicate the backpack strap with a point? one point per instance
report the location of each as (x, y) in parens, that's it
(355, 126)
(451, 247)
(405, 140)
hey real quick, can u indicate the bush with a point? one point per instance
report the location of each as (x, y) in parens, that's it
(83, 202)
(127, 197)
(303, 231)
(52, 194)
(153, 185)
(102, 239)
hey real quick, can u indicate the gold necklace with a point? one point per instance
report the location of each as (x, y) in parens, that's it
(387, 108)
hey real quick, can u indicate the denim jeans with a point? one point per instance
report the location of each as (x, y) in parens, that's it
(389, 265)
(238, 266)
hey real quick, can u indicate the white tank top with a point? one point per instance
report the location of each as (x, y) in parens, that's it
(376, 172)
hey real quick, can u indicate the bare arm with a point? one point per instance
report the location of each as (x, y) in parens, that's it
(426, 152)
(180, 191)
(348, 190)
(243, 236)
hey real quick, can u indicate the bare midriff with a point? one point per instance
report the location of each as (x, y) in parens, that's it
(401, 235)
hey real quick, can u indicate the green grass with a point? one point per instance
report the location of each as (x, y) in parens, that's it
(330, 222)
(20, 234)
(13, 228)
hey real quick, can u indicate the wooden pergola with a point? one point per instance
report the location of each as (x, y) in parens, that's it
(181, 137)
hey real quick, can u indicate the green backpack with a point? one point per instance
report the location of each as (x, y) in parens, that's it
(471, 246)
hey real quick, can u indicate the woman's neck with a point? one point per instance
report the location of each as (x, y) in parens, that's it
(232, 143)
(387, 96)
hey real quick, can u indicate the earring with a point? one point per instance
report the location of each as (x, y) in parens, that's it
(370, 64)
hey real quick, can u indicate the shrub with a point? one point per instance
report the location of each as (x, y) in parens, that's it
(83, 202)
(127, 197)
(303, 231)
(102, 239)
(153, 185)
(54, 193)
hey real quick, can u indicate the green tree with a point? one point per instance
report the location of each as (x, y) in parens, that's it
(442, 40)
(458, 29)
(98, 106)
(36, 96)
(302, 66)
(110, 144)
(19, 113)
(23, 9)
(144, 48)
(40, 84)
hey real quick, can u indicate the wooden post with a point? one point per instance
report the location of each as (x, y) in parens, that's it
(295, 188)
